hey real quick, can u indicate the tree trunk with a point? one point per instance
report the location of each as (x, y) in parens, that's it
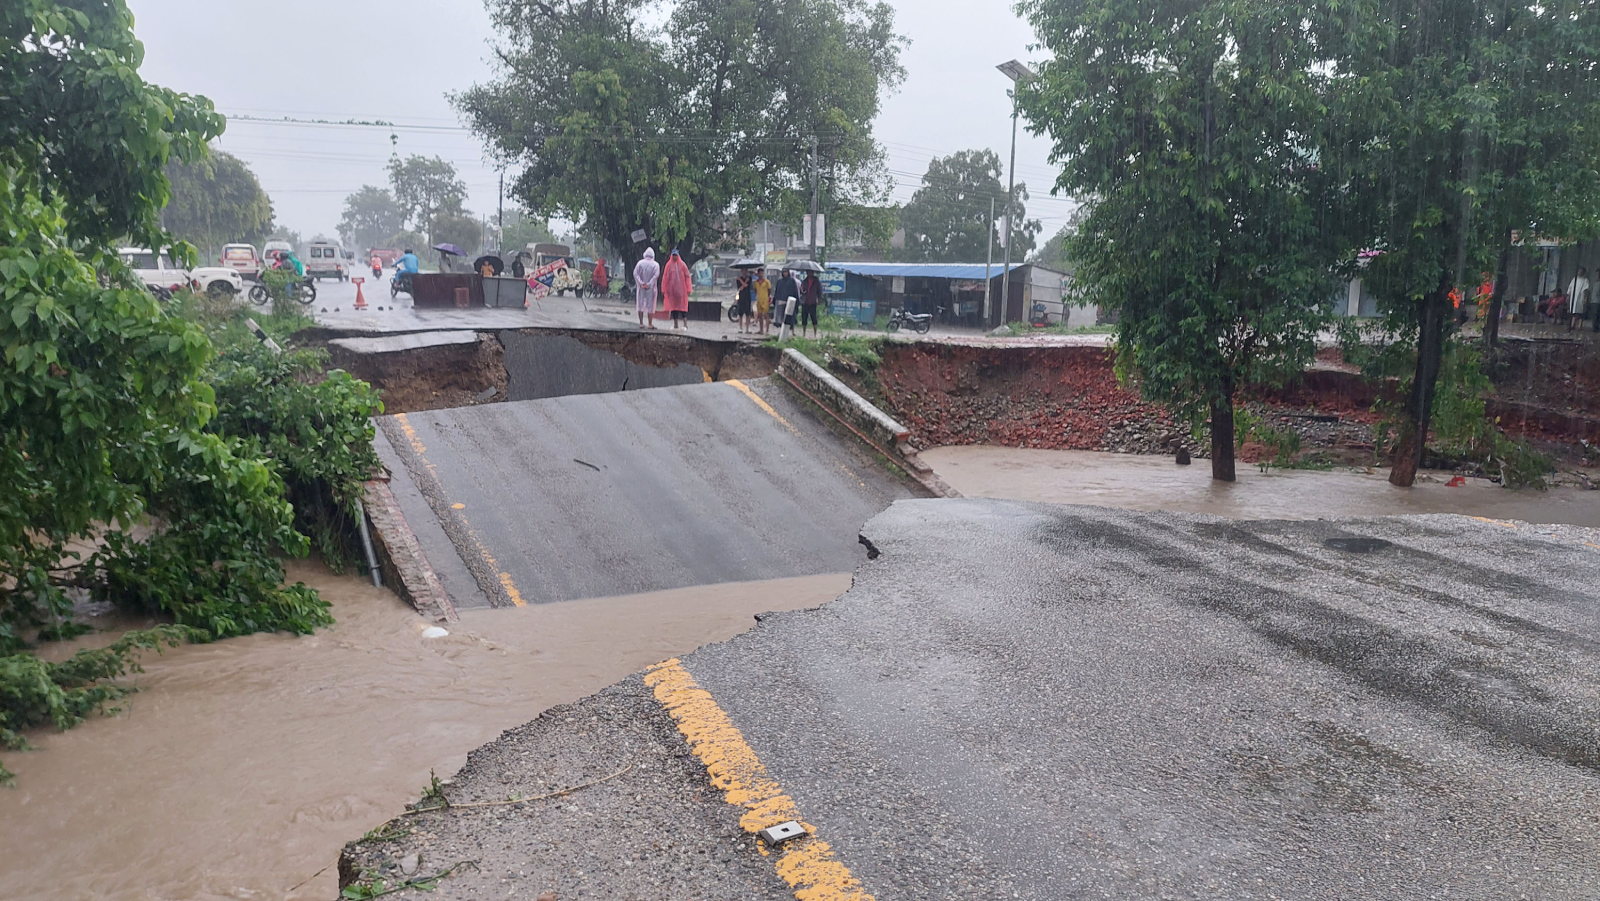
(1491, 324)
(1222, 437)
(1434, 324)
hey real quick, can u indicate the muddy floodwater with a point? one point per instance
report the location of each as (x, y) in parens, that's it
(1136, 482)
(242, 767)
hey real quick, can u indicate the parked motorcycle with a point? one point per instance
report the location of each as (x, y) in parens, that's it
(921, 322)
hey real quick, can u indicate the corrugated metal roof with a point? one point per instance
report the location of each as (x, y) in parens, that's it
(923, 270)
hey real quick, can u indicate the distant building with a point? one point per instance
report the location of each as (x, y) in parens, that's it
(954, 293)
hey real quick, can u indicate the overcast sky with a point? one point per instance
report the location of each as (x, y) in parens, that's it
(396, 59)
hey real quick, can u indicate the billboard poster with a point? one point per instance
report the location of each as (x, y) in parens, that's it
(832, 281)
(552, 276)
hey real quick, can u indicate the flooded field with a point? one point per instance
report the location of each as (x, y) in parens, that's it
(1144, 482)
(242, 767)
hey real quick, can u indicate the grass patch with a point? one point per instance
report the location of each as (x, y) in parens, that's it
(1060, 328)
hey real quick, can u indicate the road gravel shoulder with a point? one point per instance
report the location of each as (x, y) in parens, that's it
(658, 830)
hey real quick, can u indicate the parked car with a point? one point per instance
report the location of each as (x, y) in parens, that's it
(325, 259)
(163, 276)
(243, 259)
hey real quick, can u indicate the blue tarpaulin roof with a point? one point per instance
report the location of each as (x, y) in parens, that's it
(923, 270)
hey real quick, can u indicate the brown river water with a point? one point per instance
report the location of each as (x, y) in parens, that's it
(242, 767)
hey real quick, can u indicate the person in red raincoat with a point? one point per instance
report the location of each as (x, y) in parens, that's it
(600, 285)
(676, 286)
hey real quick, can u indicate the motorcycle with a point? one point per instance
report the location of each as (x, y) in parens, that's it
(303, 291)
(377, 273)
(921, 322)
(400, 282)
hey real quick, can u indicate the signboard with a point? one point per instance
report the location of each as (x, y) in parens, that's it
(552, 276)
(897, 285)
(966, 284)
(776, 258)
(862, 311)
(832, 281)
(639, 236)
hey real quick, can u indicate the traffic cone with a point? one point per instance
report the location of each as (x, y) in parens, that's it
(361, 302)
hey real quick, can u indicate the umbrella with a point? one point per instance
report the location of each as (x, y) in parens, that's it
(496, 265)
(449, 248)
(747, 264)
(805, 266)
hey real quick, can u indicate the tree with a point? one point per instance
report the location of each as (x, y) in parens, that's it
(425, 189)
(690, 130)
(522, 229)
(948, 219)
(103, 404)
(461, 229)
(1465, 121)
(1190, 128)
(216, 200)
(371, 218)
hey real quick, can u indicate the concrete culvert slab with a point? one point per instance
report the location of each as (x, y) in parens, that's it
(540, 366)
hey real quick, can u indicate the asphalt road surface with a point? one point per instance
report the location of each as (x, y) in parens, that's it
(611, 494)
(1028, 701)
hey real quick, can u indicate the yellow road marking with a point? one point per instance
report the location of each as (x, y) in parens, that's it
(505, 578)
(807, 864)
(761, 403)
(1498, 522)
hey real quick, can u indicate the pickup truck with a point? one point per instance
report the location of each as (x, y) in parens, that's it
(161, 275)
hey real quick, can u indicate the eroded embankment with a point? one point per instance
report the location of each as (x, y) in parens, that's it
(459, 369)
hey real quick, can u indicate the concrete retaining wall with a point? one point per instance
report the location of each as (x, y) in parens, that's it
(877, 428)
(400, 558)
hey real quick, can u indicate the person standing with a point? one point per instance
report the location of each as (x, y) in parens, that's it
(645, 275)
(1578, 299)
(787, 289)
(676, 286)
(600, 285)
(810, 300)
(746, 299)
(763, 289)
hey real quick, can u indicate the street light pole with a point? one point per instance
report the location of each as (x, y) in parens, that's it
(988, 261)
(1018, 73)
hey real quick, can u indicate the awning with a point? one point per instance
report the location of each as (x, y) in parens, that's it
(924, 270)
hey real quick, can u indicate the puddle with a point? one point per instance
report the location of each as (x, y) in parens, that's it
(1141, 482)
(244, 766)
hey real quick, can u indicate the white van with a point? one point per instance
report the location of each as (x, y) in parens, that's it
(325, 259)
(243, 259)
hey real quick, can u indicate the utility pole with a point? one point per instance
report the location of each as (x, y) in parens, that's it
(1018, 73)
(1011, 197)
(988, 260)
(815, 185)
(502, 215)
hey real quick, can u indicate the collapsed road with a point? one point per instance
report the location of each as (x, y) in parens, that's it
(1029, 701)
(595, 495)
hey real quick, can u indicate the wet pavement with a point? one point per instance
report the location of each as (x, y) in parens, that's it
(1032, 701)
(1135, 482)
(604, 494)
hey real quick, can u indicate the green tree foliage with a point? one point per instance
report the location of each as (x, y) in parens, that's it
(216, 200)
(108, 401)
(1190, 128)
(522, 228)
(1465, 120)
(692, 128)
(461, 229)
(371, 218)
(947, 220)
(426, 188)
